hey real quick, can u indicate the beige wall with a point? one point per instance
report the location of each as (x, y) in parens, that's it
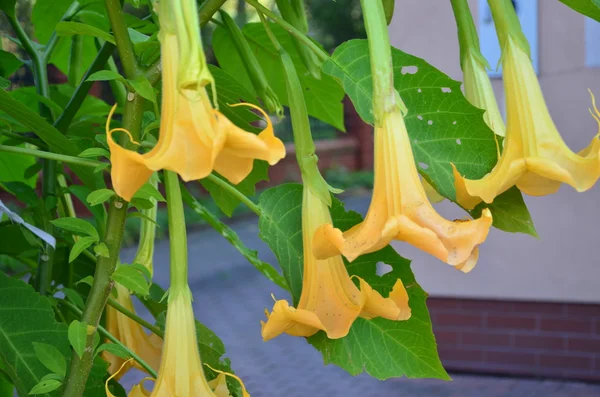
(563, 264)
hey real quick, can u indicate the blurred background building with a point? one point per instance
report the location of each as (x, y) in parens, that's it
(531, 306)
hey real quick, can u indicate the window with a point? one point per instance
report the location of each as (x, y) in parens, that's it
(592, 37)
(527, 10)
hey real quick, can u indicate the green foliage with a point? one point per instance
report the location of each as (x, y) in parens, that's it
(225, 200)
(28, 319)
(409, 346)
(230, 235)
(51, 357)
(131, 278)
(50, 135)
(77, 336)
(443, 126)
(67, 28)
(77, 226)
(323, 97)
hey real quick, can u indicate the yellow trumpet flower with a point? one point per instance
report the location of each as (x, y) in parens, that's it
(194, 138)
(131, 334)
(400, 210)
(535, 158)
(479, 91)
(181, 371)
(329, 301)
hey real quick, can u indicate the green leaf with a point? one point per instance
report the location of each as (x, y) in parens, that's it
(323, 97)
(45, 15)
(142, 269)
(101, 167)
(99, 196)
(77, 336)
(9, 64)
(443, 126)
(13, 167)
(77, 226)
(101, 250)
(141, 204)
(8, 6)
(28, 318)
(45, 386)
(226, 201)
(510, 213)
(230, 91)
(142, 86)
(279, 227)
(115, 349)
(89, 280)
(69, 28)
(82, 192)
(409, 346)
(149, 192)
(51, 357)
(74, 297)
(95, 152)
(590, 8)
(106, 75)
(230, 235)
(23, 192)
(81, 245)
(51, 136)
(132, 279)
(4, 83)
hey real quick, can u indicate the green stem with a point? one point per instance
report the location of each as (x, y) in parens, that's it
(34, 141)
(234, 192)
(384, 93)
(104, 332)
(94, 306)
(63, 122)
(177, 233)
(155, 330)
(124, 44)
(117, 214)
(208, 9)
(23, 38)
(321, 54)
(467, 32)
(303, 141)
(49, 48)
(206, 12)
(50, 156)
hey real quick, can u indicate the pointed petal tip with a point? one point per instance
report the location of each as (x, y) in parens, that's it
(328, 241)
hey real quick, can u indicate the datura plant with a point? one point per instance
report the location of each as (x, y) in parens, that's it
(162, 113)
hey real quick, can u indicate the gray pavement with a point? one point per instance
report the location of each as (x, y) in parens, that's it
(230, 297)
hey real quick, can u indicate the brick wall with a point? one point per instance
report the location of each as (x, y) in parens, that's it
(556, 340)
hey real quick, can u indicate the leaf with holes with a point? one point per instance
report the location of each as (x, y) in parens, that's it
(443, 126)
(27, 318)
(323, 97)
(383, 348)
